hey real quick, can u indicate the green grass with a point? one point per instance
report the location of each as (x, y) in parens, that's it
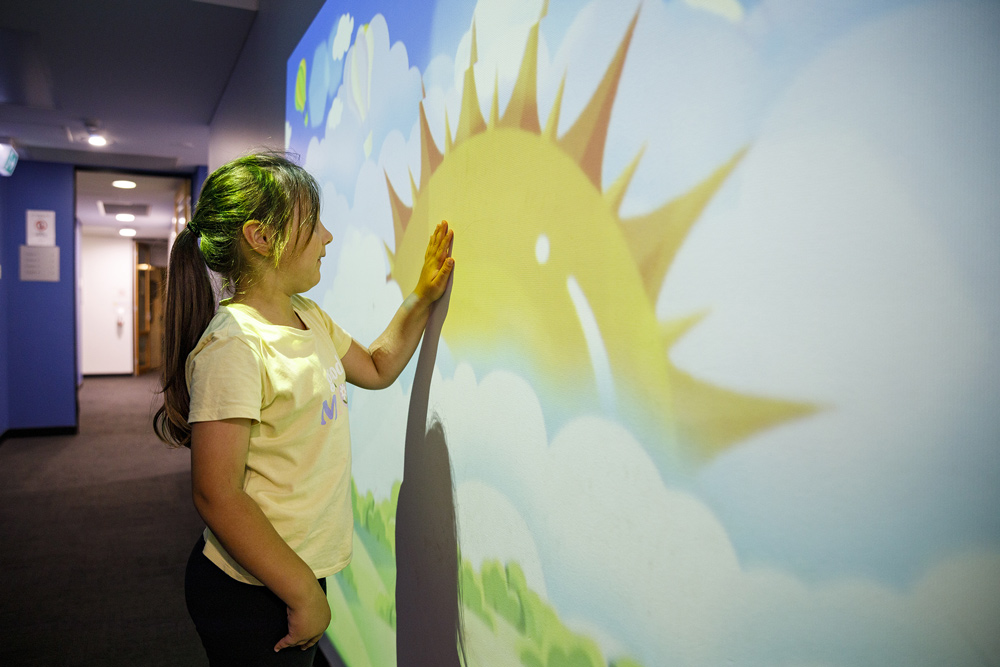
(506, 624)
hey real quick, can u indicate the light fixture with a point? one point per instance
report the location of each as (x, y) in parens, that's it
(123, 184)
(144, 267)
(126, 231)
(94, 138)
(125, 217)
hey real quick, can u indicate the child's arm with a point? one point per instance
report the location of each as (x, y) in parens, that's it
(218, 458)
(378, 366)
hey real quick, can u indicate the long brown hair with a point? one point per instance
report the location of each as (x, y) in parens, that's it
(267, 188)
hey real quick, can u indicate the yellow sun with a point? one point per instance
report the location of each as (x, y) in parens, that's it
(549, 273)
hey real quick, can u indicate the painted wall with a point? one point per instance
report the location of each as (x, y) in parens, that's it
(106, 303)
(719, 372)
(40, 374)
(248, 118)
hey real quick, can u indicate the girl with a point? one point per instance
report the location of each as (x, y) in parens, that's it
(256, 389)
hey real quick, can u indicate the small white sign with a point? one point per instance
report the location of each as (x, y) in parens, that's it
(40, 264)
(41, 228)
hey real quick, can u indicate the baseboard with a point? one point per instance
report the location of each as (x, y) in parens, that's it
(38, 432)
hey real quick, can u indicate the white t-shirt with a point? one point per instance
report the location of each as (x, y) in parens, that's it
(291, 384)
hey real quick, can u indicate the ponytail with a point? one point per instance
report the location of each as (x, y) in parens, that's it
(190, 305)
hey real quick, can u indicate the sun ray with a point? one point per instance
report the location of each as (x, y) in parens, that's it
(654, 239)
(522, 110)
(585, 140)
(474, 48)
(391, 259)
(414, 192)
(713, 418)
(447, 133)
(672, 331)
(495, 105)
(552, 124)
(430, 156)
(400, 213)
(470, 120)
(616, 193)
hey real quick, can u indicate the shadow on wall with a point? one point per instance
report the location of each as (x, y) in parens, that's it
(427, 597)
(428, 627)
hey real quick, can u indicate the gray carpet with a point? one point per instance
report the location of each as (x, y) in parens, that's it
(95, 530)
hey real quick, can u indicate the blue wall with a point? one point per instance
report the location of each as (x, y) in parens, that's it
(4, 318)
(197, 180)
(37, 375)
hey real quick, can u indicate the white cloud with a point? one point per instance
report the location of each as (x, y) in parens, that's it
(342, 39)
(400, 157)
(958, 592)
(361, 301)
(335, 116)
(491, 528)
(378, 436)
(380, 94)
(854, 253)
(730, 9)
(651, 565)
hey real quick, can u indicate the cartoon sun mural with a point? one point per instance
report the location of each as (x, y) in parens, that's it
(551, 273)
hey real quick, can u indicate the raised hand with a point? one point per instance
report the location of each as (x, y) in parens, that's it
(438, 264)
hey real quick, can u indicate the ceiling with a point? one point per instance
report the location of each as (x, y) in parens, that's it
(148, 74)
(151, 201)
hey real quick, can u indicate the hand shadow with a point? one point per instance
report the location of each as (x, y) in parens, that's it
(428, 620)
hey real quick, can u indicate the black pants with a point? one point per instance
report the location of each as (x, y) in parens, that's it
(238, 623)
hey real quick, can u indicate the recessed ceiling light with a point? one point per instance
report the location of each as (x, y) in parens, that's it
(94, 136)
(125, 217)
(126, 232)
(124, 185)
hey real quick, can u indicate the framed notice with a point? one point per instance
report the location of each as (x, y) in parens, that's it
(40, 264)
(41, 228)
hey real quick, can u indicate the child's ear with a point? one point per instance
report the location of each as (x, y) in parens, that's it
(256, 236)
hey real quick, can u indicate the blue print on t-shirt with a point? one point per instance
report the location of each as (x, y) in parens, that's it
(331, 408)
(329, 411)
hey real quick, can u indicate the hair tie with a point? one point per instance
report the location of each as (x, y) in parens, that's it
(193, 229)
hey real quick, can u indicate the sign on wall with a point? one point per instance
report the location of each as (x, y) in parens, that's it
(41, 228)
(40, 264)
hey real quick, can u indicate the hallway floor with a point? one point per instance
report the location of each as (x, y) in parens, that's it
(95, 530)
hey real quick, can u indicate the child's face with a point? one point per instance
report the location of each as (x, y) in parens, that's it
(299, 266)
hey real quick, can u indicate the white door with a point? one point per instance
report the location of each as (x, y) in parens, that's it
(107, 277)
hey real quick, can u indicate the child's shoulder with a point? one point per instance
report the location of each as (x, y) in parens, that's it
(229, 321)
(229, 324)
